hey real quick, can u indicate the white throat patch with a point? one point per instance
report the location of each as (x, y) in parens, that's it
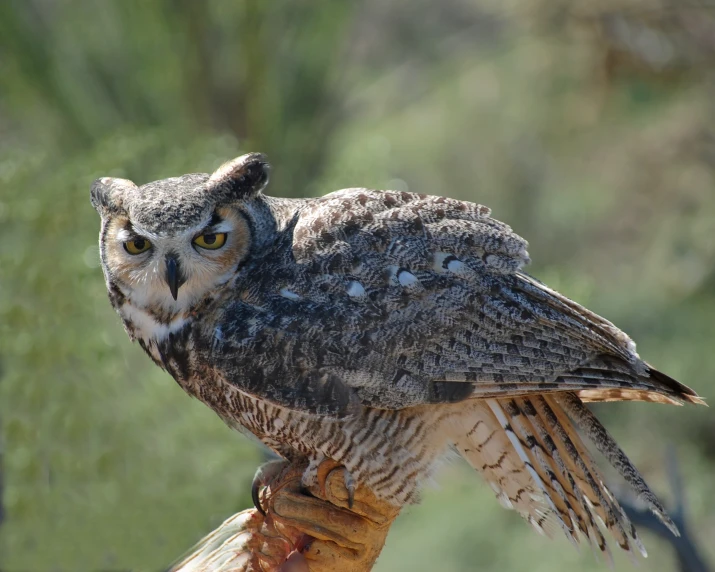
(146, 326)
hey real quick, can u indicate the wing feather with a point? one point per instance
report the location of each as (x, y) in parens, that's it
(399, 299)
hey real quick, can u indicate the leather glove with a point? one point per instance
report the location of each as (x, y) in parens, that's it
(316, 532)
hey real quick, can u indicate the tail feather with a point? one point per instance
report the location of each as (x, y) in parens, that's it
(683, 391)
(591, 482)
(608, 447)
(511, 424)
(529, 451)
(557, 493)
(480, 439)
(570, 479)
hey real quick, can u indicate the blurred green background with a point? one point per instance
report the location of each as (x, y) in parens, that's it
(587, 126)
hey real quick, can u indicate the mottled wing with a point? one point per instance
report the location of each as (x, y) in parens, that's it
(393, 299)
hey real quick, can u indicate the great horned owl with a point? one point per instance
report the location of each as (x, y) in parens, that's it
(378, 329)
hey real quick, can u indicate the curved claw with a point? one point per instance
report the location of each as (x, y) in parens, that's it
(263, 477)
(256, 486)
(350, 486)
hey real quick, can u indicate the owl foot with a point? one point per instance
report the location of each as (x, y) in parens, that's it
(265, 475)
(316, 476)
(301, 530)
(313, 476)
(335, 536)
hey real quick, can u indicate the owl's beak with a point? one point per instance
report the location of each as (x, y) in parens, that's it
(174, 277)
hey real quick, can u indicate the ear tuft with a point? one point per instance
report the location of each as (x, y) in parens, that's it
(243, 177)
(107, 194)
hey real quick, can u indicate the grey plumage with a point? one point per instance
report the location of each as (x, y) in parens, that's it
(377, 328)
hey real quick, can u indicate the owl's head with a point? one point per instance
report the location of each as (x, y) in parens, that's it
(164, 245)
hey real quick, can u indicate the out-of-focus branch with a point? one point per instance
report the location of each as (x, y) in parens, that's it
(689, 556)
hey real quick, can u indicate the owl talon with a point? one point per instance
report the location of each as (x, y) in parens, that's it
(265, 474)
(350, 486)
(256, 485)
(256, 497)
(321, 489)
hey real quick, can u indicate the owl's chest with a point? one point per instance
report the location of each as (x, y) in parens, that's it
(184, 355)
(376, 446)
(286, 431)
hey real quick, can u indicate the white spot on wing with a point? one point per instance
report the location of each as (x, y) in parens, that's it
(410, 282)
(355, 289)
(439, 260)
(456, 266)
(407, 279)
(392, 271)
(289, 294)
(438, 264)
(453, 265)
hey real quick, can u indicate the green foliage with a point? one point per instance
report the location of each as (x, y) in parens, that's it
(94, 434)
(106, 463)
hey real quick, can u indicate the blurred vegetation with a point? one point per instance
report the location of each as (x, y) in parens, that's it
(589, 127)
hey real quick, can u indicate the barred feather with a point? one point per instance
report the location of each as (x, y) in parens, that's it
(608, 447)
(530, 453)
(480, 438)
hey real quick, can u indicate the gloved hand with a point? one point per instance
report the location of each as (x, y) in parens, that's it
(300, 533)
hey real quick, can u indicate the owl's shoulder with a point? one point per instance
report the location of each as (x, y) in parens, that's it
(410, 229)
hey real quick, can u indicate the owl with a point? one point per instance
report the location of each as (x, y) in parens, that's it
(380, 330)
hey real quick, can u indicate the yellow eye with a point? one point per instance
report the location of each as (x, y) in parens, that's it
(137, 246)
(211, 240)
